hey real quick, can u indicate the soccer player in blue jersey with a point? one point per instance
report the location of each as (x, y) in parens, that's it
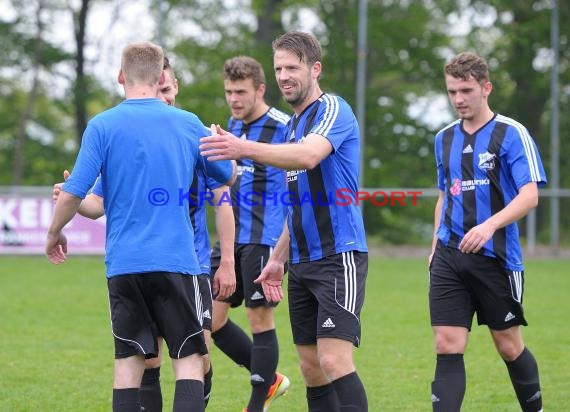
(139, 146)
(259, 219)
(488, 170)
(324, 239)
(202, 186)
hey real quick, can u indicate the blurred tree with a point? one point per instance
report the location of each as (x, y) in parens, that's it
(408, 44)
(80, 89)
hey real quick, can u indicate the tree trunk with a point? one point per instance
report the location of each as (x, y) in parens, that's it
(19, 158)
(80, 89)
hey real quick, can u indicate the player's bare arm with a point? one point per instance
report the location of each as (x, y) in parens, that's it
(436, 217)
(224, 281)
(524, 202)
(91, 207)
(271, 276)
(305, 155)
(56, 243)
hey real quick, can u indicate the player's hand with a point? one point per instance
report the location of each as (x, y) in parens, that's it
(57, 187)
(271, 278)
(56, 248)
(224, 282)
(221, 145)
(476, 238)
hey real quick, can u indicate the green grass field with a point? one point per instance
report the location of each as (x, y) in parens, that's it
(56, 348)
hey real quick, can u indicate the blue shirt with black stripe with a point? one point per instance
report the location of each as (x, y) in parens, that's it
(480, 174)
(256, 195)
(321, 223)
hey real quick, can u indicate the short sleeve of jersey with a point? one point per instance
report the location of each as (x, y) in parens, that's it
(88, 164)
(523, 157)
(334, 120)
(212, 183)
(439, 162)
(98, 188)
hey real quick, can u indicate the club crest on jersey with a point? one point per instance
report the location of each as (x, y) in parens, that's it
(487, 161)
(455, 188)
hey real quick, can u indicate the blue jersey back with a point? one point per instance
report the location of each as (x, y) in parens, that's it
(258, 210)
(480, 174)
(146, 153)
(198, 195)
(319, 224)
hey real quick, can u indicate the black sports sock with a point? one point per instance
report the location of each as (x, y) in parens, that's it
(448, 386)
(208, 385)
(150, 392)
(322, 399)
(351, 393)
(235, 343)
(126, 400)
(524, 376)
(264, 358)
(188, 396)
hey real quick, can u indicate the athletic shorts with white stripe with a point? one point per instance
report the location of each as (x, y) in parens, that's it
(145, 306)
(462, 284)
(326, 297)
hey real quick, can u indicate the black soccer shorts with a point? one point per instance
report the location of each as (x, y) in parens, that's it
(326, 297)
(145, 306)
(462, 284)
(249, 262)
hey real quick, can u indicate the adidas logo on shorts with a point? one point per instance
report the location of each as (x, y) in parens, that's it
(256, 296)
(328, 323)
(509, 316)
(207, 315)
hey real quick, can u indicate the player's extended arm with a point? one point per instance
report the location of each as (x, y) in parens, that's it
(224, 281)
(305, 155)
(91, 207)
(436, 218)
(523, 202)
(271, 276)
(56, 242)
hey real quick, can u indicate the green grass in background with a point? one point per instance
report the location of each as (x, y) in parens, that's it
(56, 348)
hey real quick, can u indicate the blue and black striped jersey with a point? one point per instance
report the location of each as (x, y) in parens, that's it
(258, 210)
(480, 174)
(319, 225)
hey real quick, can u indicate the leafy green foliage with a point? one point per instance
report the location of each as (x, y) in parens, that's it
(405, 103)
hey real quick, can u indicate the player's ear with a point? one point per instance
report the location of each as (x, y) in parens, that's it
(121, 77)
(261, 90)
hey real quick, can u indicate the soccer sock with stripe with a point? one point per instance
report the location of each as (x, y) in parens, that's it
(322, 399)
(126, 400)
(150, 391)
(235, 343)
(524, 376)
(351, 393)
(264, 359)
(448, 386)
(188, 396)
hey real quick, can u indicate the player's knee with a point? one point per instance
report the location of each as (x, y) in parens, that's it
(152, 363)
(509, 349)
(446, 343)
(335, 365)
(310, 369)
